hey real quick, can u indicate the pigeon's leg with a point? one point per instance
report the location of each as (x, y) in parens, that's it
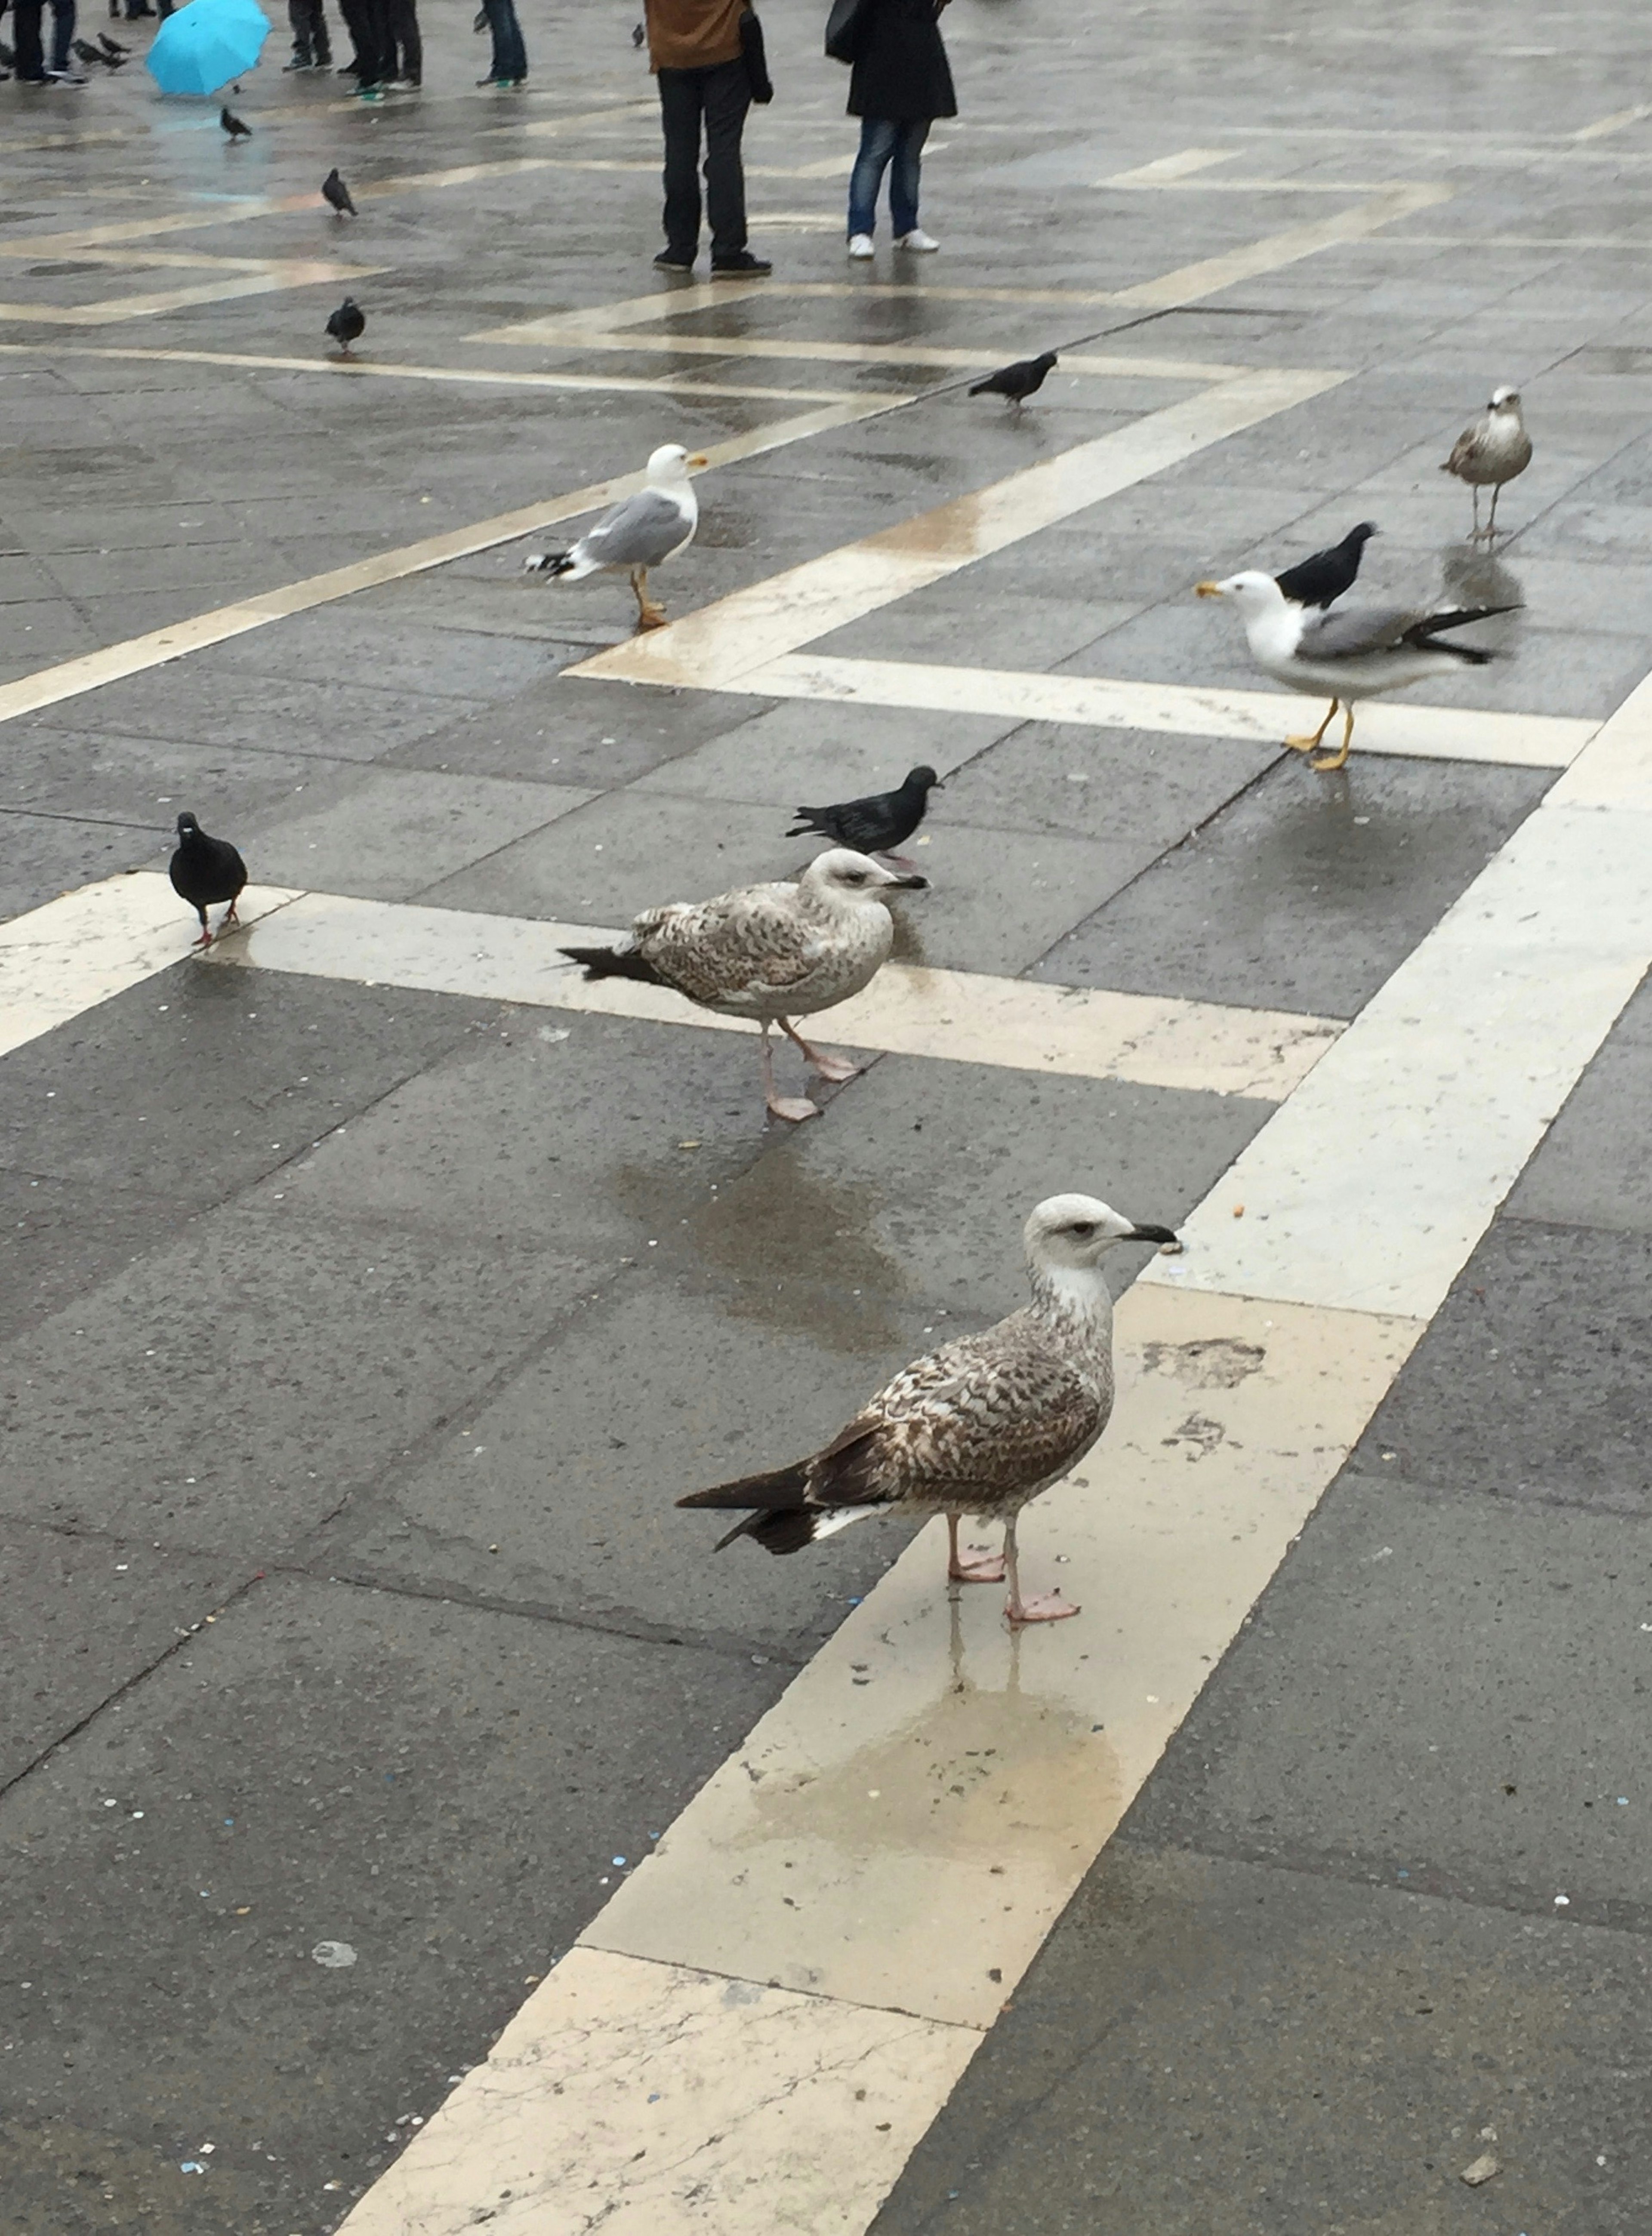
(1325, 762)
(232, 914)
(1042, 1607)
(834, 1068)
(648, 616)
(960, 1571)
(205, 939)
(795, 1107)
(1311, 745)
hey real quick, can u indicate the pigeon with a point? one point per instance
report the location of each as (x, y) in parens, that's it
(640, 532)
(234, 126)
(347, 324)
(873, 825)
(1494, 450)
(205, 871)
(769, 953)
(112, 46)
(1346, 656)
(1323, 576)
(638, 35)
(1019, 381)
(337, 195)
(980, 1425)
(7, 58)
(90, 54)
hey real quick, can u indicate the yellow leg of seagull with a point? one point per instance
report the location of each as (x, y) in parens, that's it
(648, 616)
(1327, 762)
(1311, 745)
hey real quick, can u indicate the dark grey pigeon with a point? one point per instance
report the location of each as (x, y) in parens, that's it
(1323, 576)
(1019, 381)
(337, 195)
(872, 826)
(348, 324)
(112, 46)
(638, 35)
(204, 871)
(234, 126)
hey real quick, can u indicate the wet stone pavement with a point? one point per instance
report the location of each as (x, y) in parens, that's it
(358, 1330)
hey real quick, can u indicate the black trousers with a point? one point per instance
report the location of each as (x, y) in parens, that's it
(309, 22)
(354, 14)
(31, 59)
(406, 49)
(717, 97)
(370, 31)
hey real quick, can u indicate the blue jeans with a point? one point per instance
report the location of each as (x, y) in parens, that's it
(509, 54)
(887, 144)
(62, 34)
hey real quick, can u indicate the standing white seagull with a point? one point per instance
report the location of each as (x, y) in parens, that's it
(1493, 450)
(640, 532)
(980, 1426)
(769, 952)
(1357, 652)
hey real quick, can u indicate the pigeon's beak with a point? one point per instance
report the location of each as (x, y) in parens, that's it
(1161, 1235)
(1208, 590)
(698, 459)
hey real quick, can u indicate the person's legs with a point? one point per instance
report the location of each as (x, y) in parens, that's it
(320, 38)
(31, 63)
(297, 15)
(406, 55)
(727, 94)
(877, 136)
(680, 110)
(372, 44)
(509, 53)
(905, 174)
(62, 34)
(354, 18)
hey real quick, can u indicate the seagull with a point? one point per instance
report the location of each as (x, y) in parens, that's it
(873, 825)
(1324, 576)
(205, 871)
(771, 952)
(979, 1426)
(640, 532)
(1353, 654)
(1019, 381)
(1494, 450)
(348, 324)
(337, 195)
(234, 126)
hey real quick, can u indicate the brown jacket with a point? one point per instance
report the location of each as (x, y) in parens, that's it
(693, 34)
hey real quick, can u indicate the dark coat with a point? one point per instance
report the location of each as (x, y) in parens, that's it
(901, 71)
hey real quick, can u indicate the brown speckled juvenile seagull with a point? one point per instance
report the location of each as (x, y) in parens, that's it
(769, 952)
(980, 1426)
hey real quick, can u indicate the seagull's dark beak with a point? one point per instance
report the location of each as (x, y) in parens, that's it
(1208, 590)
(698, 459)
(1150, 1235)
(913, 882)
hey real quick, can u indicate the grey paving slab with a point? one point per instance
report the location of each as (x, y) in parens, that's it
(1139, 785)
(337, 721)
(802, 750)
(42, 856)
(146, 781)
(581, 731)
(1529, 1383)
(439, 1788)
(961, 629)
(62, 1237)
(1308, 891)
(1594, 1168)
(86, 1617)
(1205, 2045)
(353, 646)
(388, 833)
(199, 1079)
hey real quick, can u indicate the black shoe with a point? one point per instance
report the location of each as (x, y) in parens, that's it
(674, 259)
(743, 266)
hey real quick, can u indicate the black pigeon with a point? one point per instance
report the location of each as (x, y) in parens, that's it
(7, 57)
(90, 54)
(337, 194)
(234, 126)
(205, 871)
(876, 824)
(348, 324)
(1017, 381)
(1323, 576)
(638, 34)
(112, 46)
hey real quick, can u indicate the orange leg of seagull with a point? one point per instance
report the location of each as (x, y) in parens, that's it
(1311, 745)
(834, 1068)
(793, 1108)
(1325, 762)
(648, 616)
(960, 1571)
(1042, 1607)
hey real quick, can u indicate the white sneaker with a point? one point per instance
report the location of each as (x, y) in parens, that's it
(860, 247)
(917, 241)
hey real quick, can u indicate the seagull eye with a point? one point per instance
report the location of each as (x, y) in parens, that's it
(855, 878)
(1083, 1228)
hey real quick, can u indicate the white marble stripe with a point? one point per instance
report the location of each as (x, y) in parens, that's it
(1191, 283)
(1168, 167)
(722, 642)
(1395, 726)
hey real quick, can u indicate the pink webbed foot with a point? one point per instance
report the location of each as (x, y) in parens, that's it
(836, 1068)
(1041, 1606)
(984, 1567)
(794, 1108)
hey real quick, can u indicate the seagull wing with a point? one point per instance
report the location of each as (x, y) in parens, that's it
(1357, 630)
(740, 942)
(641, 531)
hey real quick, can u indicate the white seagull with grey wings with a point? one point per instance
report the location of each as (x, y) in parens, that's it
(980, 1426)
(769, 952)
(641, 531)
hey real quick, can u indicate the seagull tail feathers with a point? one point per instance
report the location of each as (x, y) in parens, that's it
(614, 963)
(1427, 633)
(559, 562)
(782, 1525)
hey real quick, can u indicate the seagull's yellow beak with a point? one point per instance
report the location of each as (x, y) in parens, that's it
(698, 459)
(1208, 590)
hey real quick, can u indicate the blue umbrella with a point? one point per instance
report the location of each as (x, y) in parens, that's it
(206, 44)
